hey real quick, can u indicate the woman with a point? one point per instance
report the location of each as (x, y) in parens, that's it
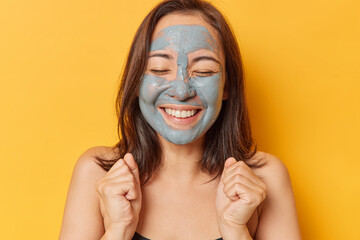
(186, 166)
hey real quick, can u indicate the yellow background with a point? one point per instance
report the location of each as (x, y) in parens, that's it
(59, 68)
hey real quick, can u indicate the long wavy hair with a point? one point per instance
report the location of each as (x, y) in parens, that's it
(230, 135)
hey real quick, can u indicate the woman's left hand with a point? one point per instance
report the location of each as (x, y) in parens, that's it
(239, 192)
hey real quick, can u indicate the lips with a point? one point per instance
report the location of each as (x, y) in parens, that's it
(181, 113)
(180, 116)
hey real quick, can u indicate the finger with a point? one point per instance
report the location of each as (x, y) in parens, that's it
(109, 190)
(238, 163)
(119, 163)
(127, 163)
(245, 181)
(240, 168)
(130, 161)
(228, 162)
(235, 191)
(238, 191)
(123, 174)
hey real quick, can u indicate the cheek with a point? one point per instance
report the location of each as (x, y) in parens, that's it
(210, 89)
(151, 87)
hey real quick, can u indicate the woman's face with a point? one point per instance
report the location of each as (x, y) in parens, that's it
(182, 90)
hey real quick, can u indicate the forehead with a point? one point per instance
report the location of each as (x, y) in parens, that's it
(187, 38)
(184, 31)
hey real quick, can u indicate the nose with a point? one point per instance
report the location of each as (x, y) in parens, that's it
(182, 90)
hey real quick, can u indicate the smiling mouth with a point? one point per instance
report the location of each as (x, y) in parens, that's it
(181, 113)
(180, 116)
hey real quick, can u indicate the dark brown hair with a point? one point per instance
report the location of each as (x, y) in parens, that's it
(230, 135)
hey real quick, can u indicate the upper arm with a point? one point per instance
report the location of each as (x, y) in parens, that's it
(82, 218)
(278, 219)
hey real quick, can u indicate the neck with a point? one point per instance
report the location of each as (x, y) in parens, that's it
(181, 163)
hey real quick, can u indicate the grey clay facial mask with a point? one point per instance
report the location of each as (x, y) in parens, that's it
(202, 92)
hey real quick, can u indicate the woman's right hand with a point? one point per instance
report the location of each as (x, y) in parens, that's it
(120, 198)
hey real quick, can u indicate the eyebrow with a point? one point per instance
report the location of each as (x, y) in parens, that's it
(204, 58)
(163, 55)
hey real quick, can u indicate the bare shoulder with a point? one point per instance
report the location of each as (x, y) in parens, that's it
(278, 215)
(269, 167)
(87, 171)
(82, 217)
(86, 164)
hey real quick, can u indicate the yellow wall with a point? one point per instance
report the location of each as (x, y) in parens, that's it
(59, 68)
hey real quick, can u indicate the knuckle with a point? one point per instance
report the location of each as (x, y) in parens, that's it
(226, 188)
(107, 189)
(238, 177)
(242, 164)
(264, 187)
(256, 199)
(239, 170)
(119, 164)
(99, 186)
(250, 201)
(238, 186)
(259, 197)
(263, 194)
(131, 184)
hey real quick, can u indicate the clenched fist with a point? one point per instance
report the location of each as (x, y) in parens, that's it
(120, 196)
(239, 192)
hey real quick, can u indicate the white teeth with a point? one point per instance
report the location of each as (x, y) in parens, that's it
(180, 114)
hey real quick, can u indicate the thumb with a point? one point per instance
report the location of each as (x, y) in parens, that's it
(129, 159)
(229, 162)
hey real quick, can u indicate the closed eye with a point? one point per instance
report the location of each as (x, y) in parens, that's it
(160, 72)
(203, 73)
